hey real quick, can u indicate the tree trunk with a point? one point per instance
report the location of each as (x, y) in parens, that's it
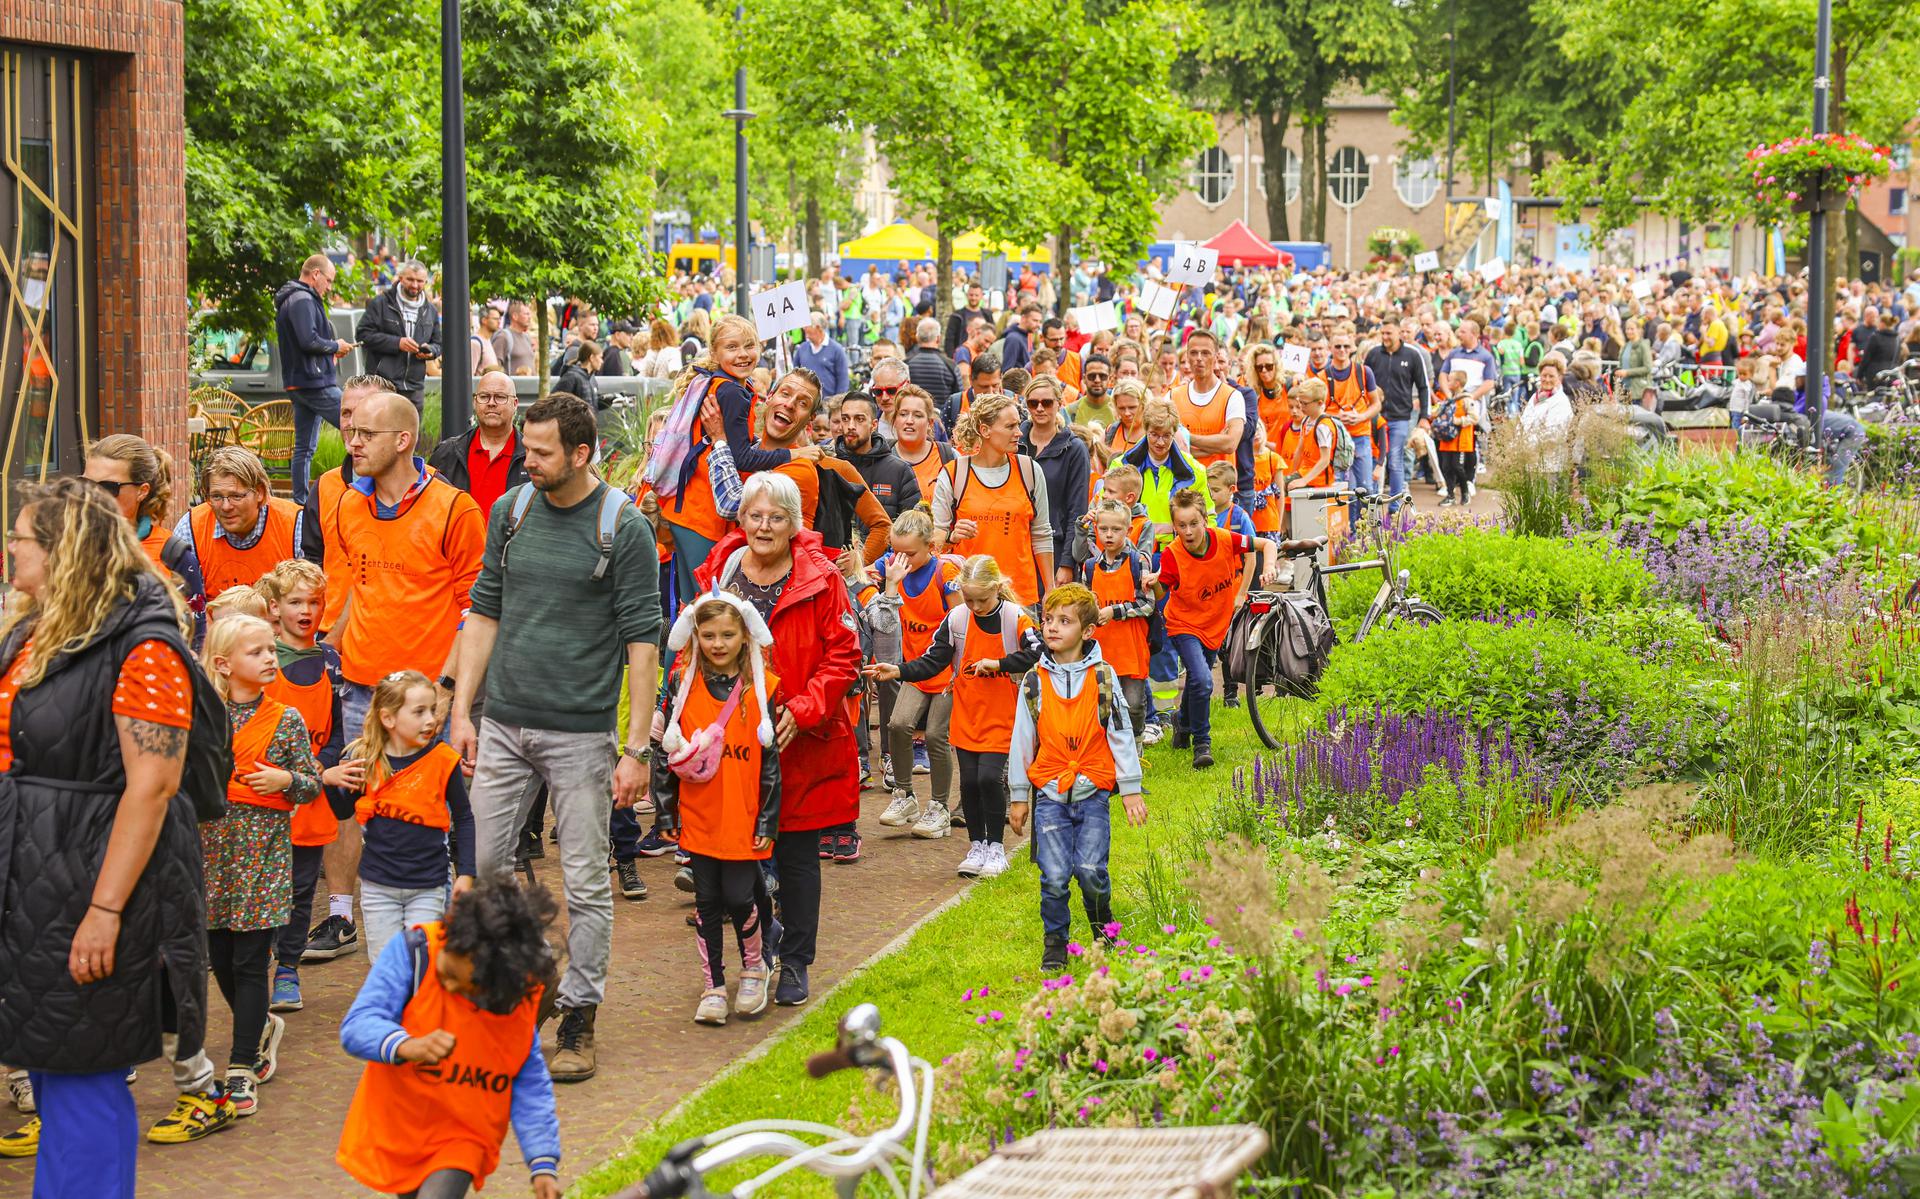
(816, 255)
(1273, 150)
(1062, 272)
(541, 328)
(942, 275)
(1313, 171)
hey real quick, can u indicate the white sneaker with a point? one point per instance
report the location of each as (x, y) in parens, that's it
(904, 810)
(993, 860)
(20, 1090)
(1152, 733)
(975, 861)
(933, 821)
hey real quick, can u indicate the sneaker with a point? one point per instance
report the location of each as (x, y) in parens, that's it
(653, 845)
(269, 1063)
(921, 763)
(993, 859)
(846, 847)
(631, 886)
(243, 1092)
(530, 844)
(20, 1090)
(903, 811)
(792, 991)
(971, 865)
(1053, 958)
(1152, 733)
(23, 1141)
(334, 938)
(682, 858)
(1232, 698)
(1181, 739)
(888, 781)
(194, 1115)
(1446, 503)
(683, 879)
(286, 990)
(750, 997)
(826, 845)
(933, 821)
(1202, 755)
(133, 1076)
(713, 1007)
(574, 1059)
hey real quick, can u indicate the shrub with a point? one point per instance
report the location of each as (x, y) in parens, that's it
(1478, 572)
(1667, 638)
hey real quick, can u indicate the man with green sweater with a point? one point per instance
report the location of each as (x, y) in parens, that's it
(568, 594)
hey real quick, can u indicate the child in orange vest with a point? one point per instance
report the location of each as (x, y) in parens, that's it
(920, 590)
(309, 680)
(1269, 474)
(249, 851)
(1205, 574)
(1072, 752)
(1117, 578)
(1458, 459)
(413, 812)
(988, 642)
(448, 1024)
(717, 784)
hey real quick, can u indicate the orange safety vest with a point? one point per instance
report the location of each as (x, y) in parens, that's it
(1204, 419)
(410, 577)
(333, 486)
(1267, 467)
(416, 795)
(155, 543)
(717, 816)
(1345, 396)
(222, 566)
(1201, 602)
(920, 618)
(1004, 517)
(927, 470)
(1461, 443)
(409, 1119)
(313, 823)
(1123, 643)
(1300, 451)
(1275, 413)
(1070, 740)
(1121, 443)
(982, 719)
(250, 742)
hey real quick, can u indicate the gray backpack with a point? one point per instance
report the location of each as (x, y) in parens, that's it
(1301, 639)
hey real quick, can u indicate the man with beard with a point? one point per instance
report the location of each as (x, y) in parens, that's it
(1094, 404)
(568, 558)
(891, 480)
(401, 332)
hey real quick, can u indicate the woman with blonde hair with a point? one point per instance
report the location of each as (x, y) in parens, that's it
(991, 501)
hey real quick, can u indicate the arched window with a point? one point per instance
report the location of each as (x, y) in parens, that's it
(1349, 177)
(1213, 176)
(1289, 171)
(1417, 180)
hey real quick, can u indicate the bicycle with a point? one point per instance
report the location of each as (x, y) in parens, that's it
(1267, 683)
(1065, 1163)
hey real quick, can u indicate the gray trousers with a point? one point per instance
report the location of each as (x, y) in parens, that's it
(578, 769)
(909, 705)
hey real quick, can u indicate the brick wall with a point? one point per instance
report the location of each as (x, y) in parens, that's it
(140, 202)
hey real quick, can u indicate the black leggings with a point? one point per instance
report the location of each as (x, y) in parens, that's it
(242, 966)
(442, 1184)
(726, 891)
(983, 792)
(1458, 468)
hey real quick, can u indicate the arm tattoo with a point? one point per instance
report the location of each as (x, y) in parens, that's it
(160, 740)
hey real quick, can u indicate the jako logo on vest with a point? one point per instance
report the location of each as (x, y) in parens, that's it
(737, 752)
(1221, 588)
(495, 1081)
(392, 811)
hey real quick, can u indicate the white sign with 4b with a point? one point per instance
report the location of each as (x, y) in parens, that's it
(1191, 263)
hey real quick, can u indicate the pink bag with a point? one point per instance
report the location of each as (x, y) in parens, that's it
(699, 757)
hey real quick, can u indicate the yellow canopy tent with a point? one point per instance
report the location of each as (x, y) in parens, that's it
(892, 243)
(969, 246)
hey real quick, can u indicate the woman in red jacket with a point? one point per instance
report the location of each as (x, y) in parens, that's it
(777, 565)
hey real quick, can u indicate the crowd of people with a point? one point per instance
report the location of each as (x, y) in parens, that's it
(976, 558)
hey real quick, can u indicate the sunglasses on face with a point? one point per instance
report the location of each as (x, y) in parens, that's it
(883, 391)
(110, 486)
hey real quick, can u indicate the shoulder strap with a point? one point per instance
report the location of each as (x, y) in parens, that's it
(1133, 568)
(516, 516)
(1107, 682)
(612, 501)
(962, 468)
(174, 550)
(1009, 626)
(1030, 690)
(417, 950)
(957, 621)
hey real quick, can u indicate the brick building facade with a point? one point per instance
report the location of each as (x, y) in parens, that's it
(93, 236)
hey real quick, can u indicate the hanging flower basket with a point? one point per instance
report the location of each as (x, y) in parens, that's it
(1387, 244)
(1813, 174)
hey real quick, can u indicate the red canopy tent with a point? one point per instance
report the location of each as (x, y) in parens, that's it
(1238, 245)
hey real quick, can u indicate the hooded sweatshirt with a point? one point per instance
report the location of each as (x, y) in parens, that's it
(1066, 679)
(305, 335)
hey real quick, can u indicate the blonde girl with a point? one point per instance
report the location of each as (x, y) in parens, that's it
(987, 644)
(413, 812)
(248, 852)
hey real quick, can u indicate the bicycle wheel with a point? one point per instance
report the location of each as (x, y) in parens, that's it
(1413, 612)
(1267, 692)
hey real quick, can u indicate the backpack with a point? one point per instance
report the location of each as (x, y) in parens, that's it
(1104, 678)
(833, 513)
(1445, 425)
(959, 618)
(963, 470)
(1343, 450)
(1302, 638)
(675, 443)
(612, 501)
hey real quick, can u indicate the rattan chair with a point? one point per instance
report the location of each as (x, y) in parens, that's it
(267, 430)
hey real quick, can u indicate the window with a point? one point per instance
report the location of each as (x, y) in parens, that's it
(1896, 201)
(1213, 176)
(1349, 177)
(1417, 180)
(1289, 172)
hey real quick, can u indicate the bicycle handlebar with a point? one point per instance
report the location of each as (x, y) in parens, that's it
(831, 1062)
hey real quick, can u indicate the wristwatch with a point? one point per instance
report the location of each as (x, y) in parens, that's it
(643, 755)
(445, 683)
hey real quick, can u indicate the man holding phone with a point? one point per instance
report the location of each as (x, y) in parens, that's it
(401, 331)
(308, 349)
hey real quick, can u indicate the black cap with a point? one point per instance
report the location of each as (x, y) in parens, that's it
(623, 326)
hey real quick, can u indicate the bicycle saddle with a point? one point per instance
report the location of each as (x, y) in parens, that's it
(1294, 549)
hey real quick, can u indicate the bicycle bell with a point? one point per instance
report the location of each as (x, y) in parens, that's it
(860, 1026)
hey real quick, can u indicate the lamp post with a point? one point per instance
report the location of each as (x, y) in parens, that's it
(1453, 29)
(739, 115)
(456, 366)
(1819, 288)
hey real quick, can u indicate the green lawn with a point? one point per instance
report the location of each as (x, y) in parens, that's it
(991, 939)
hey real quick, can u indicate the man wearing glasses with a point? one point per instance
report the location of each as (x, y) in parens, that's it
(1354, 399)
(242, 531)
(889, 376)
(1400, 370)
(1094, 403)
(487, 459)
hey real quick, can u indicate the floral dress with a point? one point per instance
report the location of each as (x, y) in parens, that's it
(249, 851)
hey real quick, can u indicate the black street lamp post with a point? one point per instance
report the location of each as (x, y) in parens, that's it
(456, 367)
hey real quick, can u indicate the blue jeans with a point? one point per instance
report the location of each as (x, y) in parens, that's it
(311, 405)
(1196, 698)
(1360, 475)
(1070, 842)
(1397, 431)
(386, 912)
(89, 1134)
(1844, 437)
(1516, 398)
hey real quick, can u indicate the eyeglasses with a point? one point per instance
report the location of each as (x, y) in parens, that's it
(1096, 376)
(354, 436)
(1266, 366)
(231, 497)
(16, 538)
(884, 391)
(494, 397)
(1037, 402)
(765, 520)
(110, 486)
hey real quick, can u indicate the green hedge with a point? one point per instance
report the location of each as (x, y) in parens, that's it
(1483, 571)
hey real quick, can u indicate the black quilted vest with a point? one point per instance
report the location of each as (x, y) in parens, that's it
(57, 808)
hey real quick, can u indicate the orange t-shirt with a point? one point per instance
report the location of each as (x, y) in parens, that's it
(222, 566)
(1200, 589)
(1070, 741)
(410, 577)
(717, 817)
(409, 1119)
(152, 686)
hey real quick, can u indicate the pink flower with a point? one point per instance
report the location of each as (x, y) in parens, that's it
(1793, 196)
(1206, 972)
(1213, 942)
(1075, 948)
(1111, 928)
(1343, 990)
(1151, 1054)
(1100, 1066)
(998, 1015)
(1168, 929)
